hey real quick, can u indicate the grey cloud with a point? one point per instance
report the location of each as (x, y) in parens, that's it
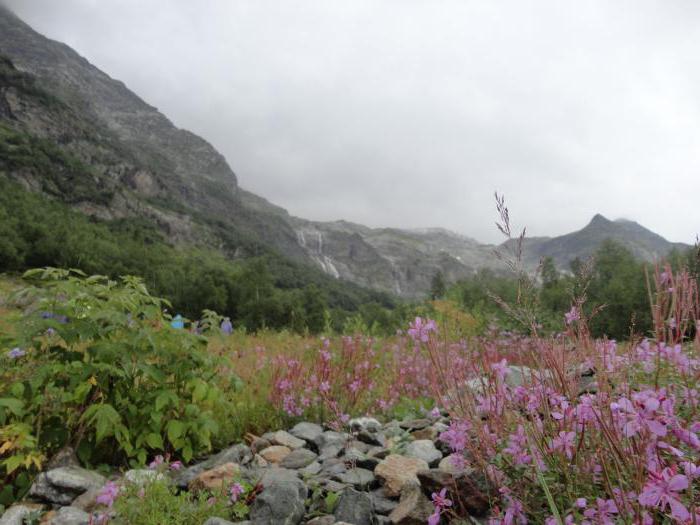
(411, 113)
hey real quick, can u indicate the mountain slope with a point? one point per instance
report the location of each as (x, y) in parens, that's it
(70, 131)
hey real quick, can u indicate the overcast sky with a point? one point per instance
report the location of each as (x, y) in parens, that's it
(411, 113)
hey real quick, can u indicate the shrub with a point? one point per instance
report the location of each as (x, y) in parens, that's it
(95, 365)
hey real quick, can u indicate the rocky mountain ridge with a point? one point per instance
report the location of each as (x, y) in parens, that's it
(112, 155)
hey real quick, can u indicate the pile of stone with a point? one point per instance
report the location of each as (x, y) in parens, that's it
(380, 474)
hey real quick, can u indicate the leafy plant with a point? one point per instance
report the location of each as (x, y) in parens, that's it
(95, 365)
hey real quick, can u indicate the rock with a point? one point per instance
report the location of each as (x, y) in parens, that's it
(312, 469)
(15, 515)
(467, 496)
(259, 444)
(307, 431)
(259, 462)
(378, 453)
(415, 424)
(276, 475)
(396, 471)
(354, 507)
(63, 484)
(86, 501)
(369, 424)
(299, 458)
(239, 454)
(332, 467)
(143, 476)
(330, 444)
(282, 501)
(65, 457)
(447, 465)
(322, 520)
(275, 453)
(219, 521)
(70, 516)
(335, 486)
(382, 504)
(522, 375)
(216, 478)
(358, 477)
(424, 449)
(414, 507)
(425, 433)
(285, 439)
(356, 458)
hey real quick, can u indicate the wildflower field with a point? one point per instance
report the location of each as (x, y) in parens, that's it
(562, 428)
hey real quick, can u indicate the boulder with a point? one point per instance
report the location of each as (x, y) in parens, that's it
(330, 444)
(299, 458)
(396, 471)
(354, 507)
(465, 493)
(424, 449)
(281, 502)
(217, 478)
(275, 453)
(16, 514)
(142, 476)
(240, 454)
(69, 516)
(286, 439)
(414, 507)
(307, 431)
(63, 484)
(358, 477)
(382, 503)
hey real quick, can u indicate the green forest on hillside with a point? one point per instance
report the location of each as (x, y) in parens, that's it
(272, 292)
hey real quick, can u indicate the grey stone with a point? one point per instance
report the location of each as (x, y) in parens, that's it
(63, 484)
(307, 431)
(382, 503)
(354, 507)
(333, 467)
(282, 501)
(335, 486)
(15, 515)
(143, 476)
(239, 453)
(358, 477)
(365, 423)
(414, 508)
(330, 444)
(285, 439)
(311, 469)
(415, 424)
(65, 457)
(322, 520)
(299, 458)
(70, 516)
(424, 449)
(358, 459)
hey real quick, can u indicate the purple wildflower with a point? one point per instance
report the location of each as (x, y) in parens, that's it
(236, 491)
(662, 490)
(15, 353)
(226, 326)
(108, 494)
(572, 315)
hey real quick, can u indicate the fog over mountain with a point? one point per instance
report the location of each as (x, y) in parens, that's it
(410, 114)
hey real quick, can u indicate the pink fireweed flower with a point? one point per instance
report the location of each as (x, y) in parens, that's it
(176, 465)
(603, 512)
(518, 447)
(236, 491)
(565, 442)
(108, 494)
(440, 500)
(661, 490)
(572, 315)
(456, 435)
(420, 330)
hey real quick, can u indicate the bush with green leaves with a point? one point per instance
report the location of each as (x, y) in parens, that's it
(95, 365)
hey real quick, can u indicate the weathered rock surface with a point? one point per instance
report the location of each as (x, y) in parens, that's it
(424, 449)
(414, 508)
(397, 471)
(63, 484)
(70, 516)
(354, 507)
(217, 478)
(282, 502)
(275, 454)
(468, 497)
(299, 458)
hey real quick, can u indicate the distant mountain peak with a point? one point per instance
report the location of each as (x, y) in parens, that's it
(599, 220)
